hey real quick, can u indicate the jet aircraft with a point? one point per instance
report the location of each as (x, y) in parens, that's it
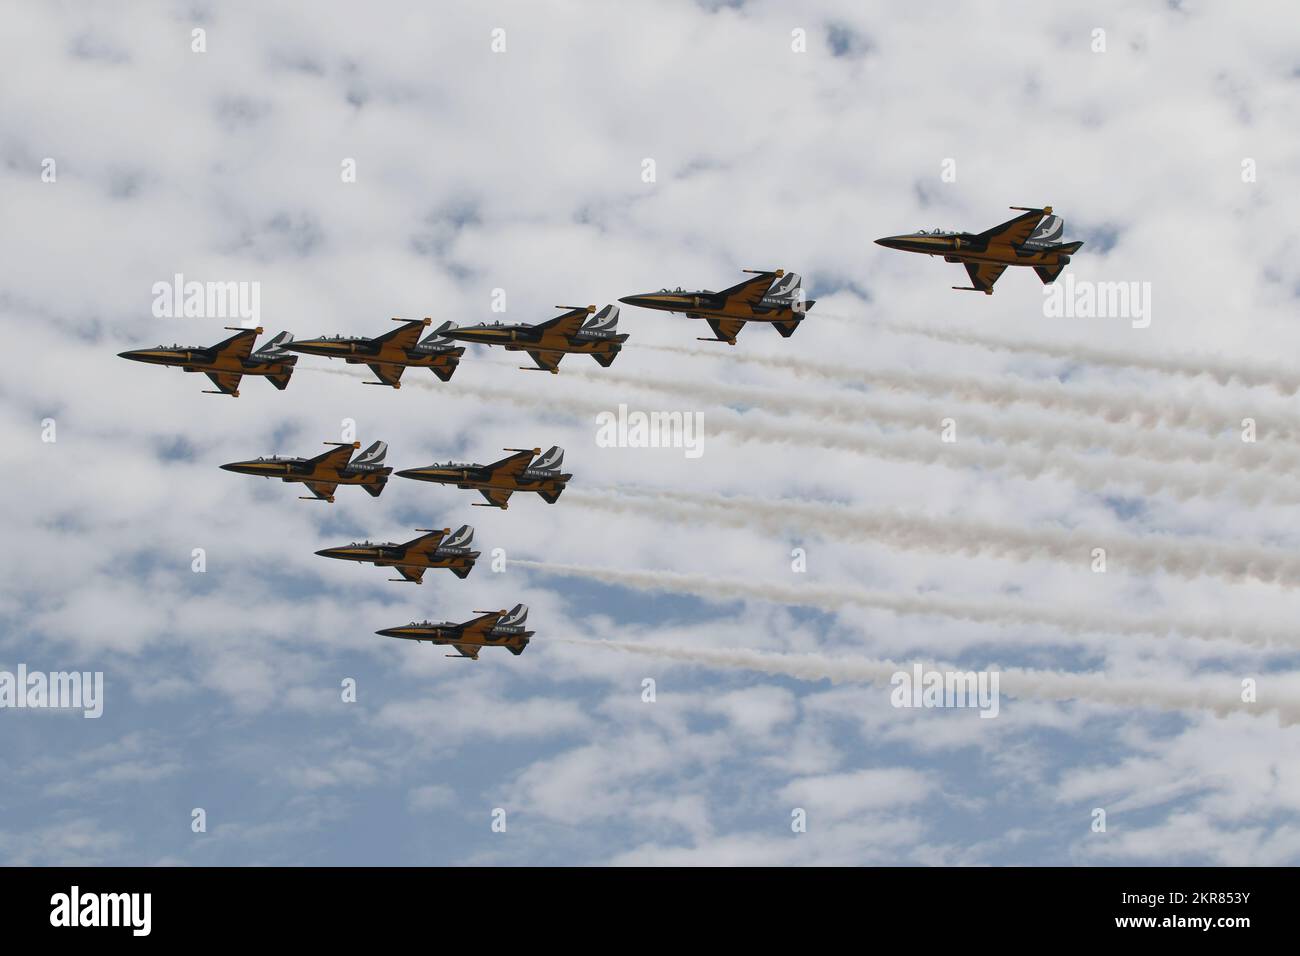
(227, 362)
(1031, 239)
(324, 473)
(499, 480)
(390, 354)
(436, 549)
(550, 341)
(492, 629)
(775, 297)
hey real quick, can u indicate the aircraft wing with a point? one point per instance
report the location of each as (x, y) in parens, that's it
(335, 458)
(387, 373)
(568, 323)
(480, 625)
(404, 336)
(984, 274)
(547, 360)
(468, 650)
(496, 497)
(1016, 231)
(411, 573)
(226, 382)
(726, 329)
(751, 290)
(425, 544)
(323, 489)
(239, 345)
(513, 466)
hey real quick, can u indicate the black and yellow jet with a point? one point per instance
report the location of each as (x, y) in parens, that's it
(1031, 239)
(227, 362)
(549, 342)
(391, 354)
(775, 297)
(493, 629)
(324, 473)
(436, 549)
(499, 480)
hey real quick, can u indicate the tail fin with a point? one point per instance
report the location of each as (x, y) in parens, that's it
(551, 460)
(438, 336)
(274, 349)
(1048, 233)
(374, 455)
(788, 290)
(606, 320)
(515, 617)
(462, 537)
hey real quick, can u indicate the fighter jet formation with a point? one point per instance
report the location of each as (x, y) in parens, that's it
(492, 629)
(499, 480)
(774, 297)
(227, 362)
(1031, 239)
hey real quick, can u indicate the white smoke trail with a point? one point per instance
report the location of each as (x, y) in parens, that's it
(1088, 473)
(861, 408)
(1221, 695)
(1076, 620)
(1222, 371)
(1181, 555)
(1112, 404)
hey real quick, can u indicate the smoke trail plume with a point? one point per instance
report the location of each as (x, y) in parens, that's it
(861, 408)
(1222, 371)
(1182, 555)
(1111, 404)
(1077, 620)
(1089, 473)
(1220, 695)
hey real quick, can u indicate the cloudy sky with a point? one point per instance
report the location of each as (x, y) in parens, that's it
(504, 146)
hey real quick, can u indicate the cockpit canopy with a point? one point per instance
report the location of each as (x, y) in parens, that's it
(935, 232)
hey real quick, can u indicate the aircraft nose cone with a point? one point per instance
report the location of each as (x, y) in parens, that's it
(230, 467)
(889, 242)
(387, 632)
(328, 552)
(638, 300)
